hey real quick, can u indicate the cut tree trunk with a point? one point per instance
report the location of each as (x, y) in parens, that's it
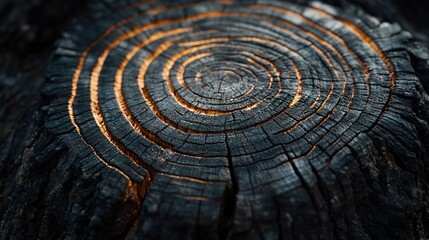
(224, 120)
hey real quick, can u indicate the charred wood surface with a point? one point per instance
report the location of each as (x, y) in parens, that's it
(220, 120)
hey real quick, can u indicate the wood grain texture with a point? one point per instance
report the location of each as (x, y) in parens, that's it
(228, 120)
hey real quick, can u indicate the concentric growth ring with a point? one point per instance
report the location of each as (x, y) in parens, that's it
(212, 80)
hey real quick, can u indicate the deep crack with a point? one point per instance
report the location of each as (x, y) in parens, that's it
(226, 224)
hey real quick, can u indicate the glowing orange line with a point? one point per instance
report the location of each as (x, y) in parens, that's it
(251, 39)
(198, 79)
(275, 69)
(325, 30)
(214, 40)
(247, 108)
(371, 44)
(181, 71)
(374, 47)
(74, 85)
(204, 41)
(95, 107)
(262, 66)
(321, 52)
(179, 99)
(298, 94)
(75, 81)
(327, 44)
(123, 37)
(131, 34)
(118, 86)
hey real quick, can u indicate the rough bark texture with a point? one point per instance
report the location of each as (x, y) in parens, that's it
(214, 120)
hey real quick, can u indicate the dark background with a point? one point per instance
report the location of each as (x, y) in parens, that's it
(29, 29)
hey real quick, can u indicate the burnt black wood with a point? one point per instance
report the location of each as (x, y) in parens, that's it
(224, 120)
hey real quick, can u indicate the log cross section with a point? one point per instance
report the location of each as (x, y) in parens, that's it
(226, 118)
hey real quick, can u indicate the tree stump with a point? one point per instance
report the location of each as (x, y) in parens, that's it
(227, 120)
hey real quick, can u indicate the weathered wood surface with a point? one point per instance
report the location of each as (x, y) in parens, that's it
(223, 120)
